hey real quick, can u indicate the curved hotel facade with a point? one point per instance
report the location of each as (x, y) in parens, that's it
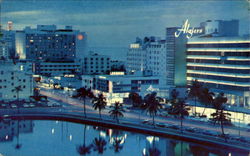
(221, 64)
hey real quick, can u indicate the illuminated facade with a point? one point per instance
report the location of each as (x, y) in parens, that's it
(149, 54)
(117, 87)
(222, 64)
(57, 68)
(136, 58)
(176, 58)
(46, 42)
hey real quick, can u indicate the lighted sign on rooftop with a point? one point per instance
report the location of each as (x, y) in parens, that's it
(134, 45)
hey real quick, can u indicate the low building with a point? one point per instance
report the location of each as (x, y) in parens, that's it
(13, 76)
(58, 68)
(96, 64)
(4, 52)
(117, 87)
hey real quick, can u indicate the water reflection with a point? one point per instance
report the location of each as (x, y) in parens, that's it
(84, 149)
(29, 138)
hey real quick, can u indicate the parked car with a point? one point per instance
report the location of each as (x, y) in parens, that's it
(161, 124)
(174, 127)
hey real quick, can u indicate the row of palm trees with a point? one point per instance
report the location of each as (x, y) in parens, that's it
(153, 104)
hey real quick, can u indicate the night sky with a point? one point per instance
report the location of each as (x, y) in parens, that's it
(117, 23)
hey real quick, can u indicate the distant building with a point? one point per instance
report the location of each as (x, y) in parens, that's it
(136, 58)
(116, 65)
(4, 51)
(9, 26)
(12, 76)
(96, 64)
(9, 39)
(176, 58)
(222, 64)
(57, 68)
(221, 28)
(117, 87)
(149, 54)
(46, 42)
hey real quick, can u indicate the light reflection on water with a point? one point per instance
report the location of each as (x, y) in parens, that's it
(52, 138)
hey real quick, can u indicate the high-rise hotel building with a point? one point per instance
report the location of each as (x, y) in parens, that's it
(221, 64)
(47, 42)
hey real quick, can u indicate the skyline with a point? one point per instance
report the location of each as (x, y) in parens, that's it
(118, 23)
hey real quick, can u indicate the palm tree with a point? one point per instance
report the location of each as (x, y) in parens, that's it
(118, 140)
(84, 149)
(134, 97)
(180, 108)
(206, 98)
(99, 103)
(83, 93)
(117, 110)
(174, 94)
(194, 92)
(18, 145)
(117, 144)
(99, 145)
(220, 116)
(152, 105)
(17, 90)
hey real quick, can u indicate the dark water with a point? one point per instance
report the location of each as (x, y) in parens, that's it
(58, 138)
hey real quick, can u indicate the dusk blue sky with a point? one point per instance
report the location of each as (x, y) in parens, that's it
(118, 23)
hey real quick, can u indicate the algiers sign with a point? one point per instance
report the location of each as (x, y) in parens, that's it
(188, 31)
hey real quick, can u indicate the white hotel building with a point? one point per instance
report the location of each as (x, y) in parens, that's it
(12, 76)
(223, 65)
(47, 42)
(94, 63)
(117, 87)
(149, 55)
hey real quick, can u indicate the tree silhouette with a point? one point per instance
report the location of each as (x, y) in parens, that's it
(116, 111)
(18, 145)
(18, 89)
(83, 93)
(84, 149)
(152, 105)
(135, 98)
(179, 108)
(206, 98)
(99, 145)
(194, 92)
(99, 103)
(117, 145)
(220, 116)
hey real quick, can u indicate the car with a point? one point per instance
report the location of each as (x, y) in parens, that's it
(190, 129)
(207, 132)
(32, 105)
(161, 125)
(174, 127)
(126, 110)
(25, 105)
(13, 106)
(145, 121)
